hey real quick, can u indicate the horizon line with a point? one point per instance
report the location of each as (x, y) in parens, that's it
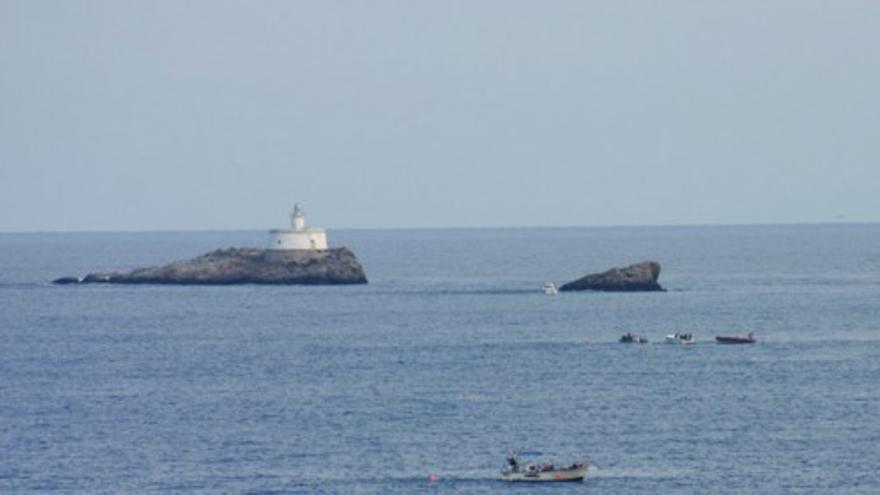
(489, 227)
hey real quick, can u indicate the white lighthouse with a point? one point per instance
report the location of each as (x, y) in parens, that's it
(298, 236)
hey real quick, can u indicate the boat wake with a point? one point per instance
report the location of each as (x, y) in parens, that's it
(640, 473)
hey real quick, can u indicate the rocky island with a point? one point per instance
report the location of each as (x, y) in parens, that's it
(296, 255)
(245, 266)
(638, 277)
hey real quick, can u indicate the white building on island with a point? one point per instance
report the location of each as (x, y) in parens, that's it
(298, 236)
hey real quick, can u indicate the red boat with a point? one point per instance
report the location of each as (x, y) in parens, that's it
(736, 339)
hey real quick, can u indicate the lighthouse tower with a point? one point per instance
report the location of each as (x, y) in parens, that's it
(298, 236)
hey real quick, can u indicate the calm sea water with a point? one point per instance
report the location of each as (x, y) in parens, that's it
(451, 356)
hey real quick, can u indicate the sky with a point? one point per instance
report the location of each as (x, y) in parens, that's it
(214, 115)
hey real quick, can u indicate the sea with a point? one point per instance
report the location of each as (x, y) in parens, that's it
(424, 379)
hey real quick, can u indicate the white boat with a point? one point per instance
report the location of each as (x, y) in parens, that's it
(520, 469)
(550, 289)
(681, 338)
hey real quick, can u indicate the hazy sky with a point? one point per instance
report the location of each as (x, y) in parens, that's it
(142, 115)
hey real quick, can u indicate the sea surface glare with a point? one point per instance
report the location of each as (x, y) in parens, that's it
(448, 358)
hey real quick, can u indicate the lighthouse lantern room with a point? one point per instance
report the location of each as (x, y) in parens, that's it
(298, 236)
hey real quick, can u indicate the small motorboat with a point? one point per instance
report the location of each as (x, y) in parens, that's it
(550, 289)
(736, 339)
(519, 468)
(633, 338)
(681, 338)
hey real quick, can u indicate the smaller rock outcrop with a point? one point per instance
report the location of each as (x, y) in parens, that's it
(638, 277)
(66, 280)
(97, 278)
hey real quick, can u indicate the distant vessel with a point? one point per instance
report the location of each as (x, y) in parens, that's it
(298, 236)
(519, 468)
(550, 289)
(633, 338)
(681, 338)
(736, 339)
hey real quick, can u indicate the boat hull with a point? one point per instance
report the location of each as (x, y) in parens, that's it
(576, 474)
(726, 339)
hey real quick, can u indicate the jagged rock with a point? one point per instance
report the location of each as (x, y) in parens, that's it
(66, 280)
(638, 277)
(249, 266)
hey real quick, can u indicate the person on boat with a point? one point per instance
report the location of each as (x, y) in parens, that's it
(514, 465)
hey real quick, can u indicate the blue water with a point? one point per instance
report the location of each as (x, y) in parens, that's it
(451, 356)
